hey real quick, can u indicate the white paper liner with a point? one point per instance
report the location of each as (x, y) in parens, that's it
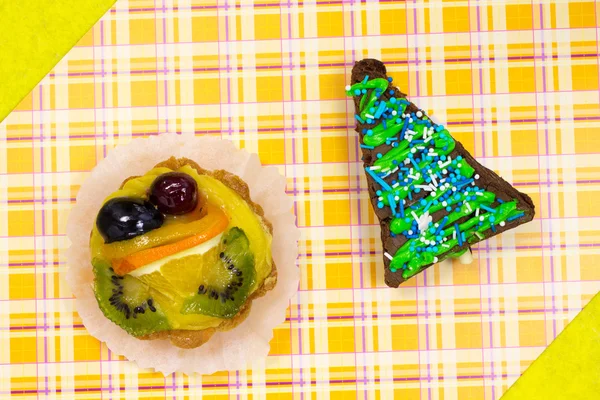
(230, 350)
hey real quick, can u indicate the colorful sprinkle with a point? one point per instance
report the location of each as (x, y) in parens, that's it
(515, 217)
(458, 234)
(486, 208)
(377, 179)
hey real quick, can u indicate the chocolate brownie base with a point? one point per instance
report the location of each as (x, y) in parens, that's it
(488, 180)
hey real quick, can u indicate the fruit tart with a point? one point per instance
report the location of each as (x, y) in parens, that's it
(180, 253)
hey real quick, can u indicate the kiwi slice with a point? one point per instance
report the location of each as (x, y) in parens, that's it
(127, 301)
(225, 286)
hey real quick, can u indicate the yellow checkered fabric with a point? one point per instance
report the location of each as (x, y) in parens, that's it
(515, 81)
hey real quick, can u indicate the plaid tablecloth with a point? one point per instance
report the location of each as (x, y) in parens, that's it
(515, 81)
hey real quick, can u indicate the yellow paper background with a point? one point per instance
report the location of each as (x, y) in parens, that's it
(516, 82)
(34, 36)
(568, 368)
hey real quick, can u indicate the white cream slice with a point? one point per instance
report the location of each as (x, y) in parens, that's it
(196, 250)
(466, 258)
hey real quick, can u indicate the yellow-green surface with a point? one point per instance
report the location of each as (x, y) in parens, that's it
(570, 367)
(34, 36)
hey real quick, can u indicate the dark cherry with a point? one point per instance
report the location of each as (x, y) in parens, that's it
(124, 218)
(174, 193)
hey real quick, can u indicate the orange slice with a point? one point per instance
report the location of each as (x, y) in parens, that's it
(210, 226)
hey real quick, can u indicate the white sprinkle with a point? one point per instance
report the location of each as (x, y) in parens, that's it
(454, 189)
(413, 150)
(443, 180)
(476, 176)
(469, 207)
(414, 216)
(435, 259)
(445, 171)
(433, 193)
(445, 245)
(422, 239)
(431, 150)
(370, 116)
(397, 198)
(481, 218)
(433, 179)
(403, 115)
(420, 147)
(502, 223)
(395, 169)
(413, 176)
(424, 221)
(424, 187)
(395, 185)
(410, 121)
(445, 203)
(380, 198)
(419, 113)
(477, 212)
(388, 256)
(459, 165)
(410, 232)
(375, 167)
(405, 180)
(348, 87)
(479, 193)
(406, 161)
(428, 139)
(433, 154)
(454, 234)
(394, 112)
(405, 189)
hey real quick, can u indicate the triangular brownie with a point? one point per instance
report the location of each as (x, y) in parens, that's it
(432, 198)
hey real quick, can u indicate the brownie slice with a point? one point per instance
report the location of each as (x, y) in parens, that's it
(432, 198)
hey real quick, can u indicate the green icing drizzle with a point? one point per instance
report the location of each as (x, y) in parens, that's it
(406, 256)
(398, 225)
(380, 132)
(419, 159)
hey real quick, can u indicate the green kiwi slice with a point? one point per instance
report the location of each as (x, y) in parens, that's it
(225, 287)
(127, 301)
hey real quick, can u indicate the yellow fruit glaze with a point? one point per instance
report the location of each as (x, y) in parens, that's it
(216, 193)
(242, 216)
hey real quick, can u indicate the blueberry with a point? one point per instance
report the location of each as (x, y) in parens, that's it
(124, 218)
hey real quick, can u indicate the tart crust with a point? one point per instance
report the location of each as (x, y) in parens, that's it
(189, 339)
